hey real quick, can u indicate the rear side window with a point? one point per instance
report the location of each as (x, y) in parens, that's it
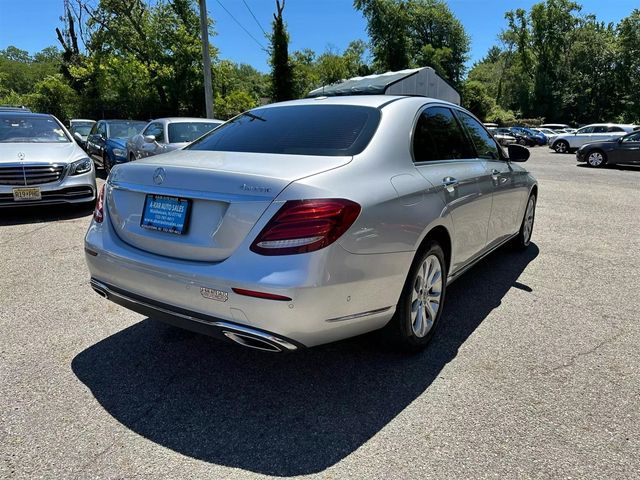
(332, 130)
(616, 129)
(439, 136)
(485, 145)
(599, 129)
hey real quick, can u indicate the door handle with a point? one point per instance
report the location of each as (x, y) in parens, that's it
(450, 182)
(494, 174)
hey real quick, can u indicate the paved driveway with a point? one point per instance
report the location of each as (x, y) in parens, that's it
(534, 373)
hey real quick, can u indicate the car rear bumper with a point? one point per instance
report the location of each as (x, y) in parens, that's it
(333, 294)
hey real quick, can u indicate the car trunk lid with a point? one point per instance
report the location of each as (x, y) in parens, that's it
(227, 193)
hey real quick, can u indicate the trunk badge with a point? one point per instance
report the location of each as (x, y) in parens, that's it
(21, 155)
(213, 294)
(159, 176)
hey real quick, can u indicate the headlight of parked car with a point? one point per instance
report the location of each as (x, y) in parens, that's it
(118, 152)
(81, 166)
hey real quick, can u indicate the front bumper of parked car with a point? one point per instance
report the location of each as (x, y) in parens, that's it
(326, 295)
(69, 189)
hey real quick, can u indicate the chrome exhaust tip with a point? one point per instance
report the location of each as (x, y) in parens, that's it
(99, 289)
(252, 342)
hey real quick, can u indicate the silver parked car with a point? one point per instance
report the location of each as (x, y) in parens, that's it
(597, 132)
(305, 222)
(167, 134)
(40, 163)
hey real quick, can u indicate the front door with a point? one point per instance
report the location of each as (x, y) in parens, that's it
(629, 149)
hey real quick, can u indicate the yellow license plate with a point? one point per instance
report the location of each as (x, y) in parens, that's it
(25, 194)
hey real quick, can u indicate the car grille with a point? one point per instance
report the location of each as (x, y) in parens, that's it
(30, 174)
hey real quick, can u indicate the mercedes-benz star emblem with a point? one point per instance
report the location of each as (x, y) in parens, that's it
(159, 176)
(21, 155)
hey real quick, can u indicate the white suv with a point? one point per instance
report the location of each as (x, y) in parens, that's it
(596, 132)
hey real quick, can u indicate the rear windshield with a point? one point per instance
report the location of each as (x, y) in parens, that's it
(25, 129)
(332, 130)
(185, 132)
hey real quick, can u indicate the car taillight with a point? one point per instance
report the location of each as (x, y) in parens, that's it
(98, 213)
(302, 226)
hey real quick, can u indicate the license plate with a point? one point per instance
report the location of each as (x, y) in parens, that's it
(25, 194)
(166, 214)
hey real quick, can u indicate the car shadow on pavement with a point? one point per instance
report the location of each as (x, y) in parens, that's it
(281, 415)
(44, 213)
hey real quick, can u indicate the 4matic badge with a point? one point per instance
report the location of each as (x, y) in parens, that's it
(213, 294)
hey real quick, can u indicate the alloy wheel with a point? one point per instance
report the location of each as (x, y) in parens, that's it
(595, 159)
(426, 296)
(561, 147)
(528, 220)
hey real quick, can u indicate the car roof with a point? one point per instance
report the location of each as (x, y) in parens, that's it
(187, 120)
(608, 125)
(81, 120)
(375, 101)
(24, 114)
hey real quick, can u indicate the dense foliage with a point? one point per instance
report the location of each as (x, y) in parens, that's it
(556, 64)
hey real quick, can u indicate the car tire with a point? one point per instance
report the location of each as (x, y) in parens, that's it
(523, 239)
(420, 307)
(132, 157)
(561, 146)
(596, 159)
(522, 141)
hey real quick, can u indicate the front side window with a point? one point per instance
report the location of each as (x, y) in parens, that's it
(439, 136)
(185, 132)
(600, 129)
(635, 137)
(485, 145)
(26, 129)
(102, 130)
(332, 130)
(157, 130)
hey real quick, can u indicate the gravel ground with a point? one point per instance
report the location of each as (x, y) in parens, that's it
(535, 372)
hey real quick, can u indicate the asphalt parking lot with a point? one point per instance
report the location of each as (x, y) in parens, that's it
(534, 373)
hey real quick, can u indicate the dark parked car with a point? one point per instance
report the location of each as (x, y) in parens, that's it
(106, 143)
(537, 137)
(625, 149)
(521, 139)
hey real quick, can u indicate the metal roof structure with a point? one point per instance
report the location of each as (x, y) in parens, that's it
(423, 82)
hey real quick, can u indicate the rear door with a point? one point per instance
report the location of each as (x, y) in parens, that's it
(509, 186)
(445, 157)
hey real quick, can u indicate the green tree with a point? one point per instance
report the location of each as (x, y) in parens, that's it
(416, 33)
(53, 95)
(628, 32)
(281, 70)
(233, 104)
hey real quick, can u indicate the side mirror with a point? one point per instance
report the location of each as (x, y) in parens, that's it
(518, 153)
(78, 137)
(149, 138)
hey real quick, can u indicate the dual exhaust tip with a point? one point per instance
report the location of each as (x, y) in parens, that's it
(244, 339)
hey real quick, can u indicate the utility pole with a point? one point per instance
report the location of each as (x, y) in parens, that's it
(206, 60)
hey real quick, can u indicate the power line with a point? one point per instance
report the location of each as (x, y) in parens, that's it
(241, 26)
(254, 17)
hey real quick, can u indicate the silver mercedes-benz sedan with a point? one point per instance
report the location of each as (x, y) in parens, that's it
(167, 134)
(40, 163)
(305, 222)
